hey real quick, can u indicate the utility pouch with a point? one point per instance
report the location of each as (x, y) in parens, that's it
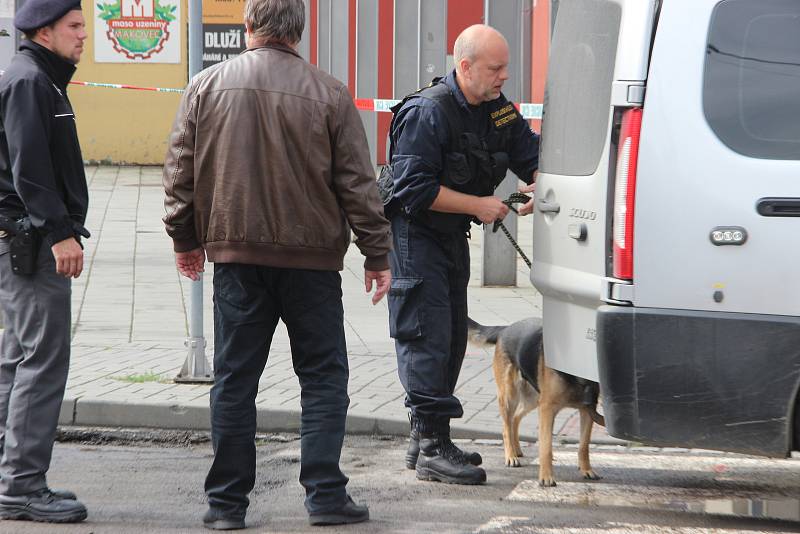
(456, 168)
(24, 249)
(386, 191)
(499, 163)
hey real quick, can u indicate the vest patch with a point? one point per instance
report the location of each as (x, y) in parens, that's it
(504, 116)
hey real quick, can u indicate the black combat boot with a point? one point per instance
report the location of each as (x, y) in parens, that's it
(441, 461)
(413, 448)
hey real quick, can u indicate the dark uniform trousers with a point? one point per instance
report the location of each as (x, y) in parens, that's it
(34, 364)
(248, 301)
(428, 316)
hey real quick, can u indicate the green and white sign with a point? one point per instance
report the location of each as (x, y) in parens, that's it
(137, 31)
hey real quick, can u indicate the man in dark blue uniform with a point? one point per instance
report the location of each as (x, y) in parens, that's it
(451, 145)
(43, 203)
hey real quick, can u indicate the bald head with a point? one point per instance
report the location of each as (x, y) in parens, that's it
(481, 57)
(473, 41)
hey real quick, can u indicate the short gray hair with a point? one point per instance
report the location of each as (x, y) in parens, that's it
(464, 48)
(276, 20)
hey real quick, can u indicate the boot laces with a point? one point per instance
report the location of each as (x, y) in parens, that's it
(450, 451)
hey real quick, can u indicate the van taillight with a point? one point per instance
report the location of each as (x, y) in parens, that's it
(625, 192)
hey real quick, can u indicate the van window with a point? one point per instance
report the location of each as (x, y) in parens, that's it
(578, 91)
(751, 89)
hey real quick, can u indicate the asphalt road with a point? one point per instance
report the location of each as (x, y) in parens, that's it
(153, 488)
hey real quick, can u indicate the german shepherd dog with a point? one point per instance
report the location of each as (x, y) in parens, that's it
(524, 383)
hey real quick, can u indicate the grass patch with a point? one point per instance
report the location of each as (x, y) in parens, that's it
(141, 378)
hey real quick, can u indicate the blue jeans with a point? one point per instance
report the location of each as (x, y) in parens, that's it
(428, 315)
(248, 301)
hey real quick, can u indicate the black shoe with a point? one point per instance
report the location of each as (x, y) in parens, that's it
(441, 461)
(63, 494)
(349, 513)
(42, 505)
(412, 453)
(216, 519)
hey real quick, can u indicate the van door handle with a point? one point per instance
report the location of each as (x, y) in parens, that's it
(548, 207)
(779, 207)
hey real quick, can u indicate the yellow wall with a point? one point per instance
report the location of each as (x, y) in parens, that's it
(121, 125)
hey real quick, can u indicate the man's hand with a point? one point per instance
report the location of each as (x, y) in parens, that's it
(69, 257)
(190, 264)
(383, 280)
(527, 208)
(490, 209)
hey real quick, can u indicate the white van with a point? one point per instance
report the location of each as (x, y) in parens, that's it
(667, 224)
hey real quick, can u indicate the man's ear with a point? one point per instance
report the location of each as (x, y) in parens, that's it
(44, 34)
(248, 34)
(464, 66)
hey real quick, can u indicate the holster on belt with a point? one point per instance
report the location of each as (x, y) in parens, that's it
(24, 246)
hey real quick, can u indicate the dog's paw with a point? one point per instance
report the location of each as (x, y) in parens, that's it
(547, 482)
(591, 475)
(513, 461)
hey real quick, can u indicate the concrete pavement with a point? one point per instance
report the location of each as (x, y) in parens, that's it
(130, 321)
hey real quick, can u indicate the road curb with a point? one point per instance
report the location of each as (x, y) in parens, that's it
(115, 414)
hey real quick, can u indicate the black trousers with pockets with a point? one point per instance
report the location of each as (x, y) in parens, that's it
(428, 315)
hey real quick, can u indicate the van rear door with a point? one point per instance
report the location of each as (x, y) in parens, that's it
(598, 64)
(718, 216)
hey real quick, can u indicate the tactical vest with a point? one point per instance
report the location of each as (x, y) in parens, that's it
(472, 164)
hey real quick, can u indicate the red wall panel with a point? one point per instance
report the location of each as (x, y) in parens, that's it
(385, 71)
(351, 47)
(460, 15)
(313, 32)
(540, 49)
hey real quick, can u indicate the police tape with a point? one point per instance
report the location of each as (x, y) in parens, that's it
(528, 111)
(123, 86)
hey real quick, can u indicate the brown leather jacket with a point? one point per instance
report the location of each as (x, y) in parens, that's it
(268, 163)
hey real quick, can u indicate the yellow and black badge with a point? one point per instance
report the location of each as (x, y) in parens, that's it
(504, 116)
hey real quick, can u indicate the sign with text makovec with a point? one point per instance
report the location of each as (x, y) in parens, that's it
(137, 31)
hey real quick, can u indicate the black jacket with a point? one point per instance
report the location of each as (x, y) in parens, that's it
(41, 167)
(422, 138)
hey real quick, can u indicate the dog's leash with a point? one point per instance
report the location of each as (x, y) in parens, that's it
(514, 198)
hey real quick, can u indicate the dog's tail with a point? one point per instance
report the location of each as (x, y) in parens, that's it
(591, 397)
(596, 417)
(483, 335)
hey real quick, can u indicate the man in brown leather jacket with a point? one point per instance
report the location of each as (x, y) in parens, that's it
(267, 168)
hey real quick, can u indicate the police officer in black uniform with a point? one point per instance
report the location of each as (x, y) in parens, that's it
(43, 203)
(451, 145)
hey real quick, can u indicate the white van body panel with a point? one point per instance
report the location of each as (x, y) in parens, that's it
(690, 182)
(569, 245)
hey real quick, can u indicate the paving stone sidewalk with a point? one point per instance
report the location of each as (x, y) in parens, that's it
(130, 322)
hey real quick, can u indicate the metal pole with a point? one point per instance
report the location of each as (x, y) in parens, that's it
(195, 37)
(499, 262)
(195, 368)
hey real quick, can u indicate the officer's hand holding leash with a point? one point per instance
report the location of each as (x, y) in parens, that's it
(490, 209)
(527, 208)
(69, 257)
